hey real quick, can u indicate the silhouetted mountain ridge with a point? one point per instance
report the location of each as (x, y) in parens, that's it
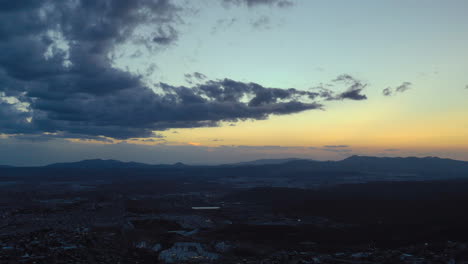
(265, 162)
(109, 164)
(353, 163)
(406, 164)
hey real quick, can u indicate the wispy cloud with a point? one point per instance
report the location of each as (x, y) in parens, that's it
(223, 24)
(391, 149)
(194, 77)
(262, 22)
(399, 89)
(336, 146)
(251, 3)
(355, 88)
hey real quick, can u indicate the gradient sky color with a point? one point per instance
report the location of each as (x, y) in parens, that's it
(382, 43)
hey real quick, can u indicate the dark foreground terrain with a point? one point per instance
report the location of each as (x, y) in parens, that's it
(294, 212)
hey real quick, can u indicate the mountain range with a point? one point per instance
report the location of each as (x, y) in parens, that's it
(353, 163)
(109, 164)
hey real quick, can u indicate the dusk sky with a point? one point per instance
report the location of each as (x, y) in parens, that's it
(219, 81)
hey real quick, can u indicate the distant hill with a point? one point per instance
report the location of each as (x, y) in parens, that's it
(412, 165)
(99, 163)
(6, 166)
(112, 164)
(264, 162)
(408, 164)
(109, 164)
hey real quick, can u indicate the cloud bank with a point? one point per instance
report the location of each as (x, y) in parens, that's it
(57, 76)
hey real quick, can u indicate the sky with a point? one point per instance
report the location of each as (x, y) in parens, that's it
(220, 81)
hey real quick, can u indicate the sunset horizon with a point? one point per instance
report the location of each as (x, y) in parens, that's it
(230, 81)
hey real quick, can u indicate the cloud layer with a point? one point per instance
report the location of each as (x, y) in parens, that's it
(57, 76)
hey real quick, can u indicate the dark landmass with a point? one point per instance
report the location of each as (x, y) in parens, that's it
(108, 164)
(263, 162)
(358, 210)
(357, 163)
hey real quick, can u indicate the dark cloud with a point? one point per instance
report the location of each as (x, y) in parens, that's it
(50, 137)
(354, 90)
(136, 112)
(152, 140)
(57, 61)
(353, 95)
(466, 86)
(59, 69)
(165, 36)
(399, 89)
(12, 119)
(251, 3)
(387, 91)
